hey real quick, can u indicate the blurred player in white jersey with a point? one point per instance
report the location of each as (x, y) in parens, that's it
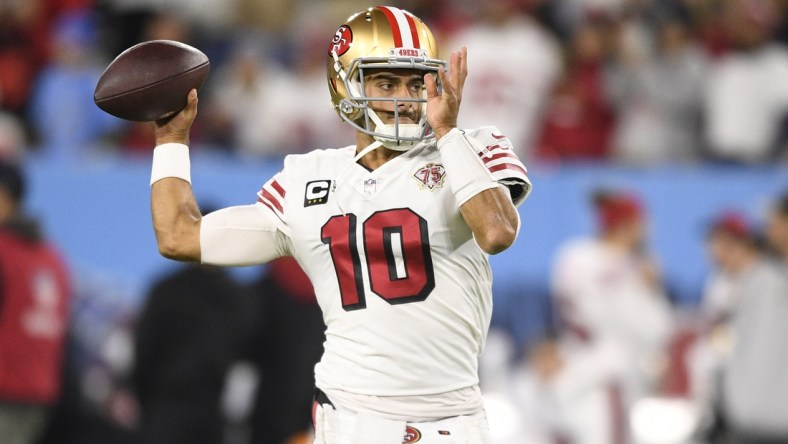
(394, 232)
(616, 321)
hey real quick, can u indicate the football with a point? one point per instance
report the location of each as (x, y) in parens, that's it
(150, 80)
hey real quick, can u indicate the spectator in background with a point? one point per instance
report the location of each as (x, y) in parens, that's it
(34, 307)
(754, 388)
(777, 229)
(252, 93)
(285, 346)
(615, 323)
(23, 49)
(746, 102)
(515, 63)
(295, 101)
(311, 124)
(187, 336)
(658, 93)
(68, 124)
(272, 15)
(13, 141)
(206, 14)
(579, 117)
(729, 229)
(730, 239)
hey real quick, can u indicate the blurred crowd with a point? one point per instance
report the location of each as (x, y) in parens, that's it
(627, 81)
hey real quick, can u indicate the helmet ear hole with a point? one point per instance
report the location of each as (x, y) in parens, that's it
(346, 107)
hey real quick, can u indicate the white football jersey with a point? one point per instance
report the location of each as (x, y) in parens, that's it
(404, 289)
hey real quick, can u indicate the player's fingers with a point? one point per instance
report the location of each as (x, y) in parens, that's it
(463, 68)
(460, 71)
(453, 67)
(431, 85)
(189, 112)
(457, 70)
(448, 90)
(183, 117)
(191, 103)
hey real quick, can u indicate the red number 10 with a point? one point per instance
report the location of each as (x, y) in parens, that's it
(385, 234)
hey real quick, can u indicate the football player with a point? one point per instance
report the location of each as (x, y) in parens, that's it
(616, 321)
(394, 232)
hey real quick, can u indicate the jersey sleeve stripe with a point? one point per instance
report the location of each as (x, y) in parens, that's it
(498, 148)
(498, 155)
(266, 196)
(275, 185)
(260, 200)
(508, 166)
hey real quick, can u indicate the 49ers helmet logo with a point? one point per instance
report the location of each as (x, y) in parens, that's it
(341, 41)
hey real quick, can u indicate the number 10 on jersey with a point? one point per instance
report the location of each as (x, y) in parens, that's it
(397, 250)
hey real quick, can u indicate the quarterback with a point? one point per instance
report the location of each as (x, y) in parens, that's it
(394, 232)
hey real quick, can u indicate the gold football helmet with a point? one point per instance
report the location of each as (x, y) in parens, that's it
(380, 37)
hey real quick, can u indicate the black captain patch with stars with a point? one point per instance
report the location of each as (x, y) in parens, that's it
(316, 192)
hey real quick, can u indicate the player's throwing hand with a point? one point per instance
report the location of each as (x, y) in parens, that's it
(175, 129)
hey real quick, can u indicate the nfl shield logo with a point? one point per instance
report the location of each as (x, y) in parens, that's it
(370, 185)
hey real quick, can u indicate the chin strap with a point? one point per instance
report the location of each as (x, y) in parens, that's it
(393, 130)
(368, 149)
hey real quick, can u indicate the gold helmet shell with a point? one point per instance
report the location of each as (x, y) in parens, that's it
(379, 37)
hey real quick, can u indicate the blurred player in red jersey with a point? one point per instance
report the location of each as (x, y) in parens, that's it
(394, 232)
(34, 294)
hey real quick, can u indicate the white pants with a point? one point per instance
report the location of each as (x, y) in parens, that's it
(346, 427)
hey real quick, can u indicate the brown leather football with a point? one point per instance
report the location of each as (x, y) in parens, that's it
(150, 80)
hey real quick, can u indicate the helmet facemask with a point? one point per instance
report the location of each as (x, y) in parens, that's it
(355, 109)
(387, 39)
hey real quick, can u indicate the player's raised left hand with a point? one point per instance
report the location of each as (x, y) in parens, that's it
(442, 109)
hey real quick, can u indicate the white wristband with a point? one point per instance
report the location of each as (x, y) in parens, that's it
(465, 171)
(171, 160)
